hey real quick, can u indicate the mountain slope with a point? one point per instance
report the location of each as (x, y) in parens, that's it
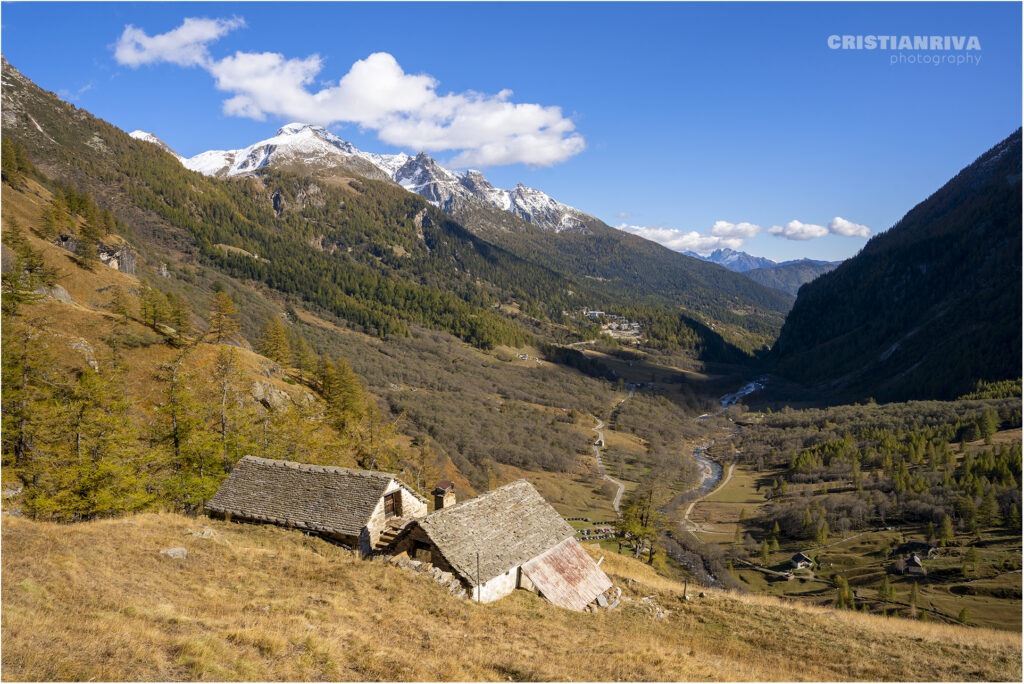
(313, 148)
(365, 251)
(368, 252)
(927, 308)
(253, 602)
(532, 225)
(789, 276)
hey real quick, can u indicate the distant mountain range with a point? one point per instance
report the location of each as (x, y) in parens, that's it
(314, 147)
(787, 276)
(927, 308)
(734, 260)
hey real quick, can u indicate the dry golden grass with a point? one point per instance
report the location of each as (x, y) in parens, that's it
(98, 601)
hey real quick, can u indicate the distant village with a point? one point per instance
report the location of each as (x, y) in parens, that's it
(618, 327)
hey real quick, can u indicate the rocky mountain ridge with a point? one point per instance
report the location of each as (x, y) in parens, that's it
(316, 147)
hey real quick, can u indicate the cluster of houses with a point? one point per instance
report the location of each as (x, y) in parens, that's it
(506, 539)
(613, 321)
(909, 559)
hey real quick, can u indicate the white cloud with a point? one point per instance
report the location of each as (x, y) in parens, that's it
(739, 230)
(404, 109)
(840, 226)
(683, 242)
(184, 46)
(795, 230)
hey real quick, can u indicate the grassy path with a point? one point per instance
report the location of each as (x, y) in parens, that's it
(600, 464)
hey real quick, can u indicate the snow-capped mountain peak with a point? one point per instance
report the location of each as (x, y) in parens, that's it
(734, 260)
(314, 146)
(150, 138)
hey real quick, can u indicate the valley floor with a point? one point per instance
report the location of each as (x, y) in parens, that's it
(98, 601)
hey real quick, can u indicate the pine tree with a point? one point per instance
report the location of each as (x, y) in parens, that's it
(152, 305)
(87, 247)
(88, 464)
(27, 384)
(764, 552)
(234, 418)
(885, 590)
(844, 596)
(179, 316)
(964, 617)
(194, 470)
(1013, 519)
(223, 318)
(56, 218)
(305, 358)
(970, 565)
(914, 597)
(823, 532)
(27, 273)
(988, 512)
(274, 342)
(946, 534)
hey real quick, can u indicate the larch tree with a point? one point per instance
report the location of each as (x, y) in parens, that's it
(274, 343)
(223, 318)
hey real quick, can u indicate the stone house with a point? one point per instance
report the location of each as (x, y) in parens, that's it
(360, 508)
(506, 539)
(914, 565)
(801, 560)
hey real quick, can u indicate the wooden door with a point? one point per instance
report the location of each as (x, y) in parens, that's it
(392, 505)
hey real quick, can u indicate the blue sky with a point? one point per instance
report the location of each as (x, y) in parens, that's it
(665, 117)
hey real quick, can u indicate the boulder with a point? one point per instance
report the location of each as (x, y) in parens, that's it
(177, 552)
(602, 601)
(56, 292)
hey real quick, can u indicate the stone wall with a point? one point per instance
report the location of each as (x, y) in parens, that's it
(411, 507)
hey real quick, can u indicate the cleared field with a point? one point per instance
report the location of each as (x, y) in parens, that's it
(719, 513)
(864, 558)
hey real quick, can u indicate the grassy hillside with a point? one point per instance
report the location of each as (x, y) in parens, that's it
(98, 601)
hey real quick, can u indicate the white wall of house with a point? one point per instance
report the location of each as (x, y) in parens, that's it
(496, 587)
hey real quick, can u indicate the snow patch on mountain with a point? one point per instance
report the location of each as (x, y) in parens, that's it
(444, 188)
(734, 260)
(150, 138)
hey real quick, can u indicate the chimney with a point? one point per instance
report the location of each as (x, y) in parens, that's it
(444, 495)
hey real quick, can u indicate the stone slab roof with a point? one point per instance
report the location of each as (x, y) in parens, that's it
(326, 499)
(508, 526)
